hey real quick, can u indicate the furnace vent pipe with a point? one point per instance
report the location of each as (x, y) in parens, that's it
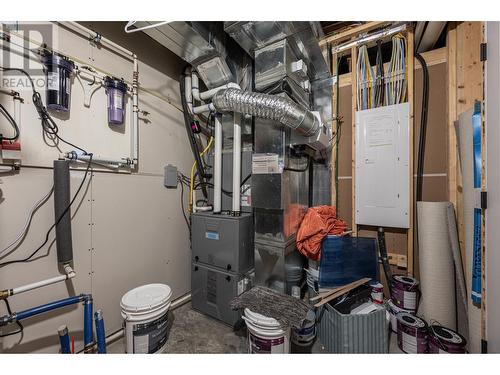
(62, 211)
(271, 107)
(236, 203)
(218, 165)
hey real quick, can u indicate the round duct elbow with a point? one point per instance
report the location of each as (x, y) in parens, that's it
(266, 106)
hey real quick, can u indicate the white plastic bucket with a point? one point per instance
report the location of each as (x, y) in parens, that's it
(305, 336)
(145, 314)
(265, 335)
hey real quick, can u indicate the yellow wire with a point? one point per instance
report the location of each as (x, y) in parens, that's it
(191, 180)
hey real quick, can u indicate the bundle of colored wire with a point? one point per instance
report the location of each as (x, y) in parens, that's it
(379, 83)
(22, 233)
(365, 80)
(191, 179)
(395, 76)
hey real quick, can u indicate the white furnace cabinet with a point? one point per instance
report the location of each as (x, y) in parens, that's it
(382, 166)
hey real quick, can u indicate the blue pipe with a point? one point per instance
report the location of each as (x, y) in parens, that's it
(100, 332)
(88, 327)
(64, 340)
(48, 307)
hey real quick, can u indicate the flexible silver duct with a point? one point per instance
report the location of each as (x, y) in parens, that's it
(266, 106)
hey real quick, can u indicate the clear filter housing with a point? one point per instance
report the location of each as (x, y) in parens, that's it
(58, 70)
(116, 90)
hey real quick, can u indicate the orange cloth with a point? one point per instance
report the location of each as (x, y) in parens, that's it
(318, 222)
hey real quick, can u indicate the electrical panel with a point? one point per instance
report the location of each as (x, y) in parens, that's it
(170, 176)
(382, 173)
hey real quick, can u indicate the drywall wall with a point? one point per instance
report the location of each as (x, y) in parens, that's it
(435, 163)
(128, 229)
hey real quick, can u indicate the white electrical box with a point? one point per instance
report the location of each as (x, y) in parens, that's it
(382, 166)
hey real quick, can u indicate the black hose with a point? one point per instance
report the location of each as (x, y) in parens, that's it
(12, 122)
(191, 137)
(384, 257)
(423, 125)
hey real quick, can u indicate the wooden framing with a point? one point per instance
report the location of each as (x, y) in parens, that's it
(350, 78)
(411, 195)
(334, 130)
(354, 60)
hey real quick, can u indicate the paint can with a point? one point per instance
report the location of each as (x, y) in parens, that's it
(412, 333)
(145, 314)
(393, 311)
(377, 292)
(444, 340)
(405, 292)
(305, 336)
(265, 334)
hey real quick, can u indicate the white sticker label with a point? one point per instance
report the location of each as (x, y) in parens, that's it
(265, 164)
(409, 343)
(68, 85)
(246, 196)
(53, 81)
(118, 100)
(410, 300)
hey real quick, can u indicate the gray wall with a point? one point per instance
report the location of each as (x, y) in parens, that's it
(128, 229)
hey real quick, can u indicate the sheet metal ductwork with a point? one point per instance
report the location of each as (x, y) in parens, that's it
(270, 107)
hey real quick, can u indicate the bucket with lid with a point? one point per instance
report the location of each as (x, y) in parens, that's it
(412, 333)
(405, 292)
(444, 340)
(377, 292)
(145, 314)
(305, 335)
(265, 334)
(393, 311)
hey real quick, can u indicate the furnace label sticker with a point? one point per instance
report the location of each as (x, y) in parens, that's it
(212, 235)
(265, 164)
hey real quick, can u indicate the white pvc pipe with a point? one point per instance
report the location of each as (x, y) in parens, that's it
(206, 95)
(190, 82)
(204, 108)
(135, 120)
(236, 162)
(39, 284)
(82, 30)
(218, 165)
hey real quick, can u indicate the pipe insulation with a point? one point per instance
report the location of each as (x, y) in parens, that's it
(62, 199)
(266, 106)
(442, 280)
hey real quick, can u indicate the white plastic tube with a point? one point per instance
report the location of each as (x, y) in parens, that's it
(191, 81)
(218, 165)
(207, 95)
(135, 119)
(236, 163)
(82, 30)
(39, 284)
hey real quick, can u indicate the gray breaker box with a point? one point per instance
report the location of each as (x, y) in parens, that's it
(212, 289)
(353, 333)
(223, 241)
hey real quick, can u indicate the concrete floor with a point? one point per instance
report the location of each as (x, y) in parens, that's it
(193, 332)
